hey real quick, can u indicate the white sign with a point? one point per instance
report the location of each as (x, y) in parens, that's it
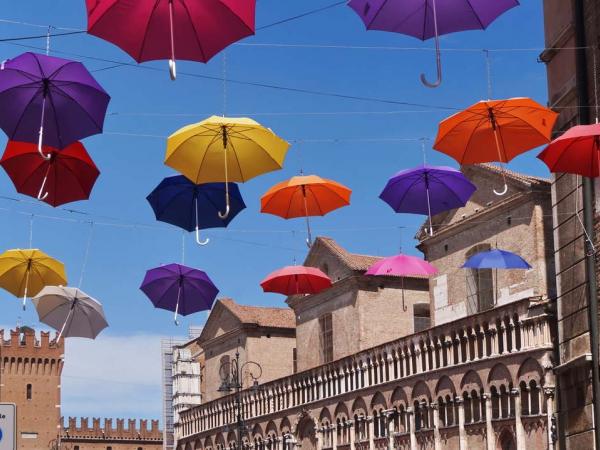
(8, 426)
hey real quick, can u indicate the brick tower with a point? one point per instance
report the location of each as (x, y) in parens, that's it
(30, 371)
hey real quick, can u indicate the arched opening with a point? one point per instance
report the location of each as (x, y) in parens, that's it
(506, 441)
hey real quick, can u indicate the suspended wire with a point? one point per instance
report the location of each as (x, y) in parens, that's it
(302, 15)
(26, 38)
(86, 254)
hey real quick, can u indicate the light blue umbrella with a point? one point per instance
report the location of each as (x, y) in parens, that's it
(496, 259)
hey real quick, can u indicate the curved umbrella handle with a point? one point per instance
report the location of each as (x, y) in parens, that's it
(198, 241)
(40, 150)
(225, 215)
(503, 191)
(41, 196)
(438, 56)
(172, 65)
(172, 69)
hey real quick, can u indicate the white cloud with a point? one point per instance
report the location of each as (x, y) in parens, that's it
(113, 376)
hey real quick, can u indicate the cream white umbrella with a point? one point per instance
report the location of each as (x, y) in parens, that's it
(71, 311)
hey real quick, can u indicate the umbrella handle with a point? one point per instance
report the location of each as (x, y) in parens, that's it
(41, 196)
(41, 132)
(177, 306)
(225, 215)
(503, 191)
(172, 64)
(26, 286)
(198, 241)
(172, 69)
(438, 56)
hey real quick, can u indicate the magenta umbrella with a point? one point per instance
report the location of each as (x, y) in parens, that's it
(159, 29)
(402, 266)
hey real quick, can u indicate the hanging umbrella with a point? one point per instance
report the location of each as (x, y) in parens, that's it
(577, 151)
(67, 176)
(295, 280)
(425, 19)
(24, 272)
(49, 100)
(495, 130)
(222, 149)
(427, 190)
(161, 29)
(305, 196)
(178, 288)
(496, 259)
(178, 201)
(71, 311)
(402, 266)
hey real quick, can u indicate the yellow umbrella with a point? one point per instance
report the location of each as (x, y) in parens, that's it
(25, 272)
(223, 149)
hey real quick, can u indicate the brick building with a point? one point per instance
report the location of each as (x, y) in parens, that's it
(574, 405)
(30, 377)
(478, 379)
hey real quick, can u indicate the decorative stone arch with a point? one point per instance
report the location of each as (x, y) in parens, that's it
(499, 375)
(530, 370)
(399, 397)
(420, 391)
(208, 443)
(506, 440)
(285, 426)
(219, 441)
(325, 415)
(188, 446)
(271, 428)
(359, 407)
(378, 402)
(306, 432)
(257, 431)
(341, 410)
(445, 386)
(471, 381)
(231, 439)
(198, 444)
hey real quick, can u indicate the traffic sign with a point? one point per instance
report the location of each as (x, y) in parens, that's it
(8, 426)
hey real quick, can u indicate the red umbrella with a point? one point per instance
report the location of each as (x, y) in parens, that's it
(159, 29)
(67, 176)
(576, 151)
(295, 280)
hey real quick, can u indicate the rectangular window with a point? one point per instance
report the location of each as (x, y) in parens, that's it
(295, 360)
(326, 338)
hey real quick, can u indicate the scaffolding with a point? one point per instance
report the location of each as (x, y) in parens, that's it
(166, 349)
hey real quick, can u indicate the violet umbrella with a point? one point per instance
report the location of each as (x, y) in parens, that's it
(180, 289)
(51, 101)
(402, 266)
(427, 190)
(425, 19)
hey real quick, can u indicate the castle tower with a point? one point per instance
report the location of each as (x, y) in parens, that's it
(30, 374)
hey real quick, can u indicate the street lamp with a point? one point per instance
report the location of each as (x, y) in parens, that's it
(232, 380)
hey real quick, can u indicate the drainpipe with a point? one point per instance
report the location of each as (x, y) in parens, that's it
(588, 213)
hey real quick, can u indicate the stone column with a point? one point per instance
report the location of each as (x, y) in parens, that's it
(418, 355)
(411, 424)
(462, 435)
(549, 394)
(351, 428)
(437, 440)
(513, 336)
(490, 436)
(494, 341)
(334, 437)
(449, 352)
(519, 430)
(389, 422)
(371, 431)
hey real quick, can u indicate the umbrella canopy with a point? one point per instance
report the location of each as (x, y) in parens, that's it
(427, 190)
(577, 151)
(25, 272)
(304, 196)
(295, 280)
(425, 19)
(161, 29)
(71, 311)
(50, 100)
(178, 201)
(495, 130)
(178, 288)
(402, 266)
(496, 259)
(69, 175)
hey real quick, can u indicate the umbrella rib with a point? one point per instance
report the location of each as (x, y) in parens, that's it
(407, 189)
(187, 11)
(18, 124)
(213, 140)
(55, 116)
(528, 123)
(475, 14)
(141, 50)
(78, 105)
(237, 160)
(481, 121)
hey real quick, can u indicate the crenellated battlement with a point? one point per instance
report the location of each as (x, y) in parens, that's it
(104, 429)
(27, 338)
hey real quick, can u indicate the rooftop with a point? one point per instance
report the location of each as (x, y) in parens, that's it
(261, 315)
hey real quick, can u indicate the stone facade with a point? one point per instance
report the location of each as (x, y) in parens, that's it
(107, 437)
(30, 371)
(575, 402)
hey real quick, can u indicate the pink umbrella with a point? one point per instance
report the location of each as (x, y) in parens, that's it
(161, 29)
(402, 266)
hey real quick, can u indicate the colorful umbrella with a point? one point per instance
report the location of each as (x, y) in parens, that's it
(495, 130)
(222, 149)
(577, 151)
(178, 201)
(71, 311)
(56, 96)
(25, 272)
(67, 176)
(304, 196)
(178, 288)
(496, 259)
(427, 190)
(402, 266)
(160, 29)
(425, 19)
(295, 280)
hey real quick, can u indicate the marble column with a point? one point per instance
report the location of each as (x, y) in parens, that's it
(490, 436)
(549, 394)
(462, 435)
(411, 421)
(389, 423)
(351, 427)
(437, 440)
(334, 437)
(371, 431)
(519, 430)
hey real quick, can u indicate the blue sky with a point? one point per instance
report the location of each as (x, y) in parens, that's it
(357, 143)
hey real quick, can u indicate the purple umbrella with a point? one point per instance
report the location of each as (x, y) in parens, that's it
(51, 100)
(427, 190)
(178, 288)
(425, 19)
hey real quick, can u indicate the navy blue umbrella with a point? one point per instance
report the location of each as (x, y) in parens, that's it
(193, 207)
(496, 259)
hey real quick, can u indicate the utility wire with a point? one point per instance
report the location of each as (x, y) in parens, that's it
(302, 15)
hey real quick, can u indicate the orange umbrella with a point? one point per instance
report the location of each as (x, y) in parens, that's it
(495, 130)
(304, 196)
